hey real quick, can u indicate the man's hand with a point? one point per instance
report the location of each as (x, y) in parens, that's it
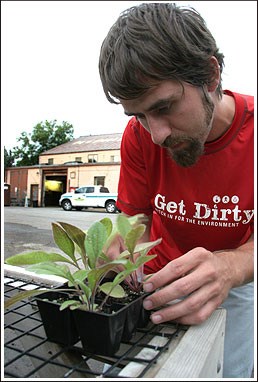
(201, 280)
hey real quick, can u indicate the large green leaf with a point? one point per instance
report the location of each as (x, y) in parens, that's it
(76, 234)
(94, 242)
(63, 241)
(35, 257)
(107, 222)
(90, 253)
(113, 291)
(123, 225)
(52, 269)
(133, 236)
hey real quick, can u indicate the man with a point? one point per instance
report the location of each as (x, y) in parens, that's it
(187, 163)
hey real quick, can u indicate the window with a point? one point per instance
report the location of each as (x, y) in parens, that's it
(104, 189)
(114, 158)
(50, 161)
(80, 190)
(99, 180)
(92, 158)
(78, 159)
(90, 189)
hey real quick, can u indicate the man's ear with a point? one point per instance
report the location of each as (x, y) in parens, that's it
(215, 74)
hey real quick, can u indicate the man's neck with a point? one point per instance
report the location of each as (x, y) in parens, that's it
(223, 117)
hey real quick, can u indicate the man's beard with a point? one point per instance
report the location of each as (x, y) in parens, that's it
(186, 156)
(192, 148)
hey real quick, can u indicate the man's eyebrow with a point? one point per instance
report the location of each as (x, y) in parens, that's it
(156, 105)
(160, 103)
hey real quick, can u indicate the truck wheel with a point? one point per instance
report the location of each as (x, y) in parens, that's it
(111, 207)
(67, 205)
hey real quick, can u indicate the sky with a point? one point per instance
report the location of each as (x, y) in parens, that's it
(50, 52)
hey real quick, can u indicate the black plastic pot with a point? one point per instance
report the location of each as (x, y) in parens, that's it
(59, 325)
(144, 318)
(133, 313)
(101, 333)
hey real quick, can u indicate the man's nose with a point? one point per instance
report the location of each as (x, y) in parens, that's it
(159, 131)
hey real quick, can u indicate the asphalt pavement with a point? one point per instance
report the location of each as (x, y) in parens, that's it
(28, 228)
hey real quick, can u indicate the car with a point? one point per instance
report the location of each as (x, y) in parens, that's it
(89, 196)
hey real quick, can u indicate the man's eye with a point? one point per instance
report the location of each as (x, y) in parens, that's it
(163, 110)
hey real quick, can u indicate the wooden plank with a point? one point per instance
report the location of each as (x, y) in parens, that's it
(23, 274)
(134, 369)
(200, 352)
(196, 353)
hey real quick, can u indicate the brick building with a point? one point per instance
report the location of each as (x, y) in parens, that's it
(92, 159)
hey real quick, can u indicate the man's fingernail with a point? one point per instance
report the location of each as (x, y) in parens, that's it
(156, 318)
(147, 304)
(148, 287)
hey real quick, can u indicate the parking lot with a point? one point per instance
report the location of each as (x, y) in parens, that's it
(28, 228)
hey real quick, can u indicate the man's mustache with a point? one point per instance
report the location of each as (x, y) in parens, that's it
(170, 142)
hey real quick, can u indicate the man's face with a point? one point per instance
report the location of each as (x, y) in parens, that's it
(177, 116)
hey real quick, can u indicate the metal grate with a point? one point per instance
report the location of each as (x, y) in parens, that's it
(28, 354)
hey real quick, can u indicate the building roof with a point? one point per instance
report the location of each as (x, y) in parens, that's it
(88, 143)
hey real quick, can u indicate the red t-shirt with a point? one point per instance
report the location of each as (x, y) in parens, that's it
(207, 205)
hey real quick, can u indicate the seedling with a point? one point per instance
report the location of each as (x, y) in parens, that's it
(88, 263)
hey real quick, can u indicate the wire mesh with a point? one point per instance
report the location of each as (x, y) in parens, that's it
(28, 353)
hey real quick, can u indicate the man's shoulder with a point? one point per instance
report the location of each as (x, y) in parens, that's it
(240, 97)
(135, 130)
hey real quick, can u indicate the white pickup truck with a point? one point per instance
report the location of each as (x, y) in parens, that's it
(89, 196)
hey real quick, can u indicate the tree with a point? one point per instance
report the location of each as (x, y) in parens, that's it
(8, 158)
(44, 137)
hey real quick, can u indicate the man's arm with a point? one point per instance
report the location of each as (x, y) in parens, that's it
(201, 279)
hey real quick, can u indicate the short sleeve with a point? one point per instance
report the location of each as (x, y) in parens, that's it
(133, 194)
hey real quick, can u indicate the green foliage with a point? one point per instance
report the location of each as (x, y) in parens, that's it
(85, 252)
(44, 136)
(36, 257)
(8, 158)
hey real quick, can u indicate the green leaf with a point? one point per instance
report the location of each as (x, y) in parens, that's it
(76, 234)
(63, 241)
(124, 255)
(121, 276)
(35, 257)
(69, 304)
(52, 269)
(86, 290)
(107, 222)
(21, 295)
(146, 246)
(133, 236)
(81, 274)
(138, 219)
(90, 253)
(94, 242)
(123, 225)
(95, 275)
(143, 259)
(113, 291)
